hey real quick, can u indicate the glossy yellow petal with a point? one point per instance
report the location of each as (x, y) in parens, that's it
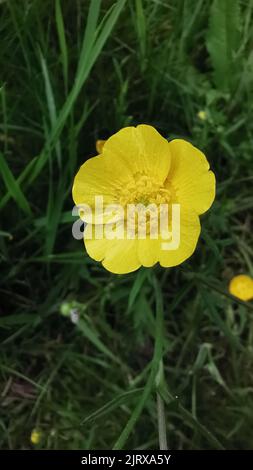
(149, 251)
(190, 177)
(241, 286)
(95, 247)
(97, 177)
(141, 149)
(117, 256)
(123, 256)
(189, 235)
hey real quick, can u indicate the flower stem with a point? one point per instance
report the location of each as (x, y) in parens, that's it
(161, 423)
(154, 372)
(159, 377)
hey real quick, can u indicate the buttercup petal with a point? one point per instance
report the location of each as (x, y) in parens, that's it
(117, 256)
(97, 177)
(190, 176)
(149, 251)
(141, 149)
(189, 235)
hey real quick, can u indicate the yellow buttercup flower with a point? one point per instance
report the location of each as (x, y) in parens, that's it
(241, 286)
(138, 166)
(35, 436)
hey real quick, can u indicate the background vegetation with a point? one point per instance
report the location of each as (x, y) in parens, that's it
(73, 72)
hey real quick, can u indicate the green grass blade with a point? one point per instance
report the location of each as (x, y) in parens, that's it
(92, 336)
(83, 72)
(121, 399)
(62, 41)
(90, 31)
(20, 180)
(50, 103)
(187, 416)
(141, 26)
(13, 187)
(138, 283)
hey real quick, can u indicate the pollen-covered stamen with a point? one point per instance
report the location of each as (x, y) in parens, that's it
(149, 197)
(144, 190)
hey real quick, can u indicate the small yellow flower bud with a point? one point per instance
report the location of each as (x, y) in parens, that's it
(99, 145)
(202, 115)
(35, 436)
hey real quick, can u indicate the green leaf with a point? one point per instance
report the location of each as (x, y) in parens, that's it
(223, 40)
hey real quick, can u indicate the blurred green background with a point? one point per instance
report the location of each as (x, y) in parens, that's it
(72, 72)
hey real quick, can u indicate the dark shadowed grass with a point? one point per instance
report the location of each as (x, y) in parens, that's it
(73, 72)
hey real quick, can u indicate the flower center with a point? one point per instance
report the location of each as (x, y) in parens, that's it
(144, 190)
